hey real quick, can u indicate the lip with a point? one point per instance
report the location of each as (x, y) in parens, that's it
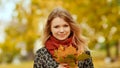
(62, 35)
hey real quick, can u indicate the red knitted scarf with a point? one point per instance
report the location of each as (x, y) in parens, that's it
(52, 44)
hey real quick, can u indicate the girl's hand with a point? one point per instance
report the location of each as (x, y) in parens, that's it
(63, 65)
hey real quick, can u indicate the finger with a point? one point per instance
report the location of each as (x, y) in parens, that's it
(67, 66)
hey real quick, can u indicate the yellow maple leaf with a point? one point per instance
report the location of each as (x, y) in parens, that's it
(69, 55)
(59, 52)
(70, 50)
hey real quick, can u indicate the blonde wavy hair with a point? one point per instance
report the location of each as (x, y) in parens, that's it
(79, 40)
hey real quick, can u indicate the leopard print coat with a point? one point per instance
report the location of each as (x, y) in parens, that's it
(43, 59)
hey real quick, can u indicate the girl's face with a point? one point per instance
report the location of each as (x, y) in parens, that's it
(60, 29)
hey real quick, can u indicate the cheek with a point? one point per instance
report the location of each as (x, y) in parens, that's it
(69, 29)
(54, 31)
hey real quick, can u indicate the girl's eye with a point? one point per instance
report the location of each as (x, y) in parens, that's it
(65, 25)
(56, 26)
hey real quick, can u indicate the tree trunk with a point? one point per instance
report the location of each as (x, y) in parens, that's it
(108, 50)
(117, 49)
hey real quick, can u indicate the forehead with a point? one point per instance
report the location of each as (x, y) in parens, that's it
(58, 21)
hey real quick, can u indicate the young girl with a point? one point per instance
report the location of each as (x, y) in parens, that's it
(60, 29)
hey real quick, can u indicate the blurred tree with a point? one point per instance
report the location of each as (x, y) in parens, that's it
(98, 18)
(23, 28)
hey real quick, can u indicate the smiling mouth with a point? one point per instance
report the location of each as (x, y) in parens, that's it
(61, 35)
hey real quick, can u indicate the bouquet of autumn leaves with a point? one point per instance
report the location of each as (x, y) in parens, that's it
(69, 55)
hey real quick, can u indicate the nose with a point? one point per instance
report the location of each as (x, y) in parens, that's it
(61, 30)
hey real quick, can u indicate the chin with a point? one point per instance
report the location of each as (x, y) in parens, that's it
(61, 39)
